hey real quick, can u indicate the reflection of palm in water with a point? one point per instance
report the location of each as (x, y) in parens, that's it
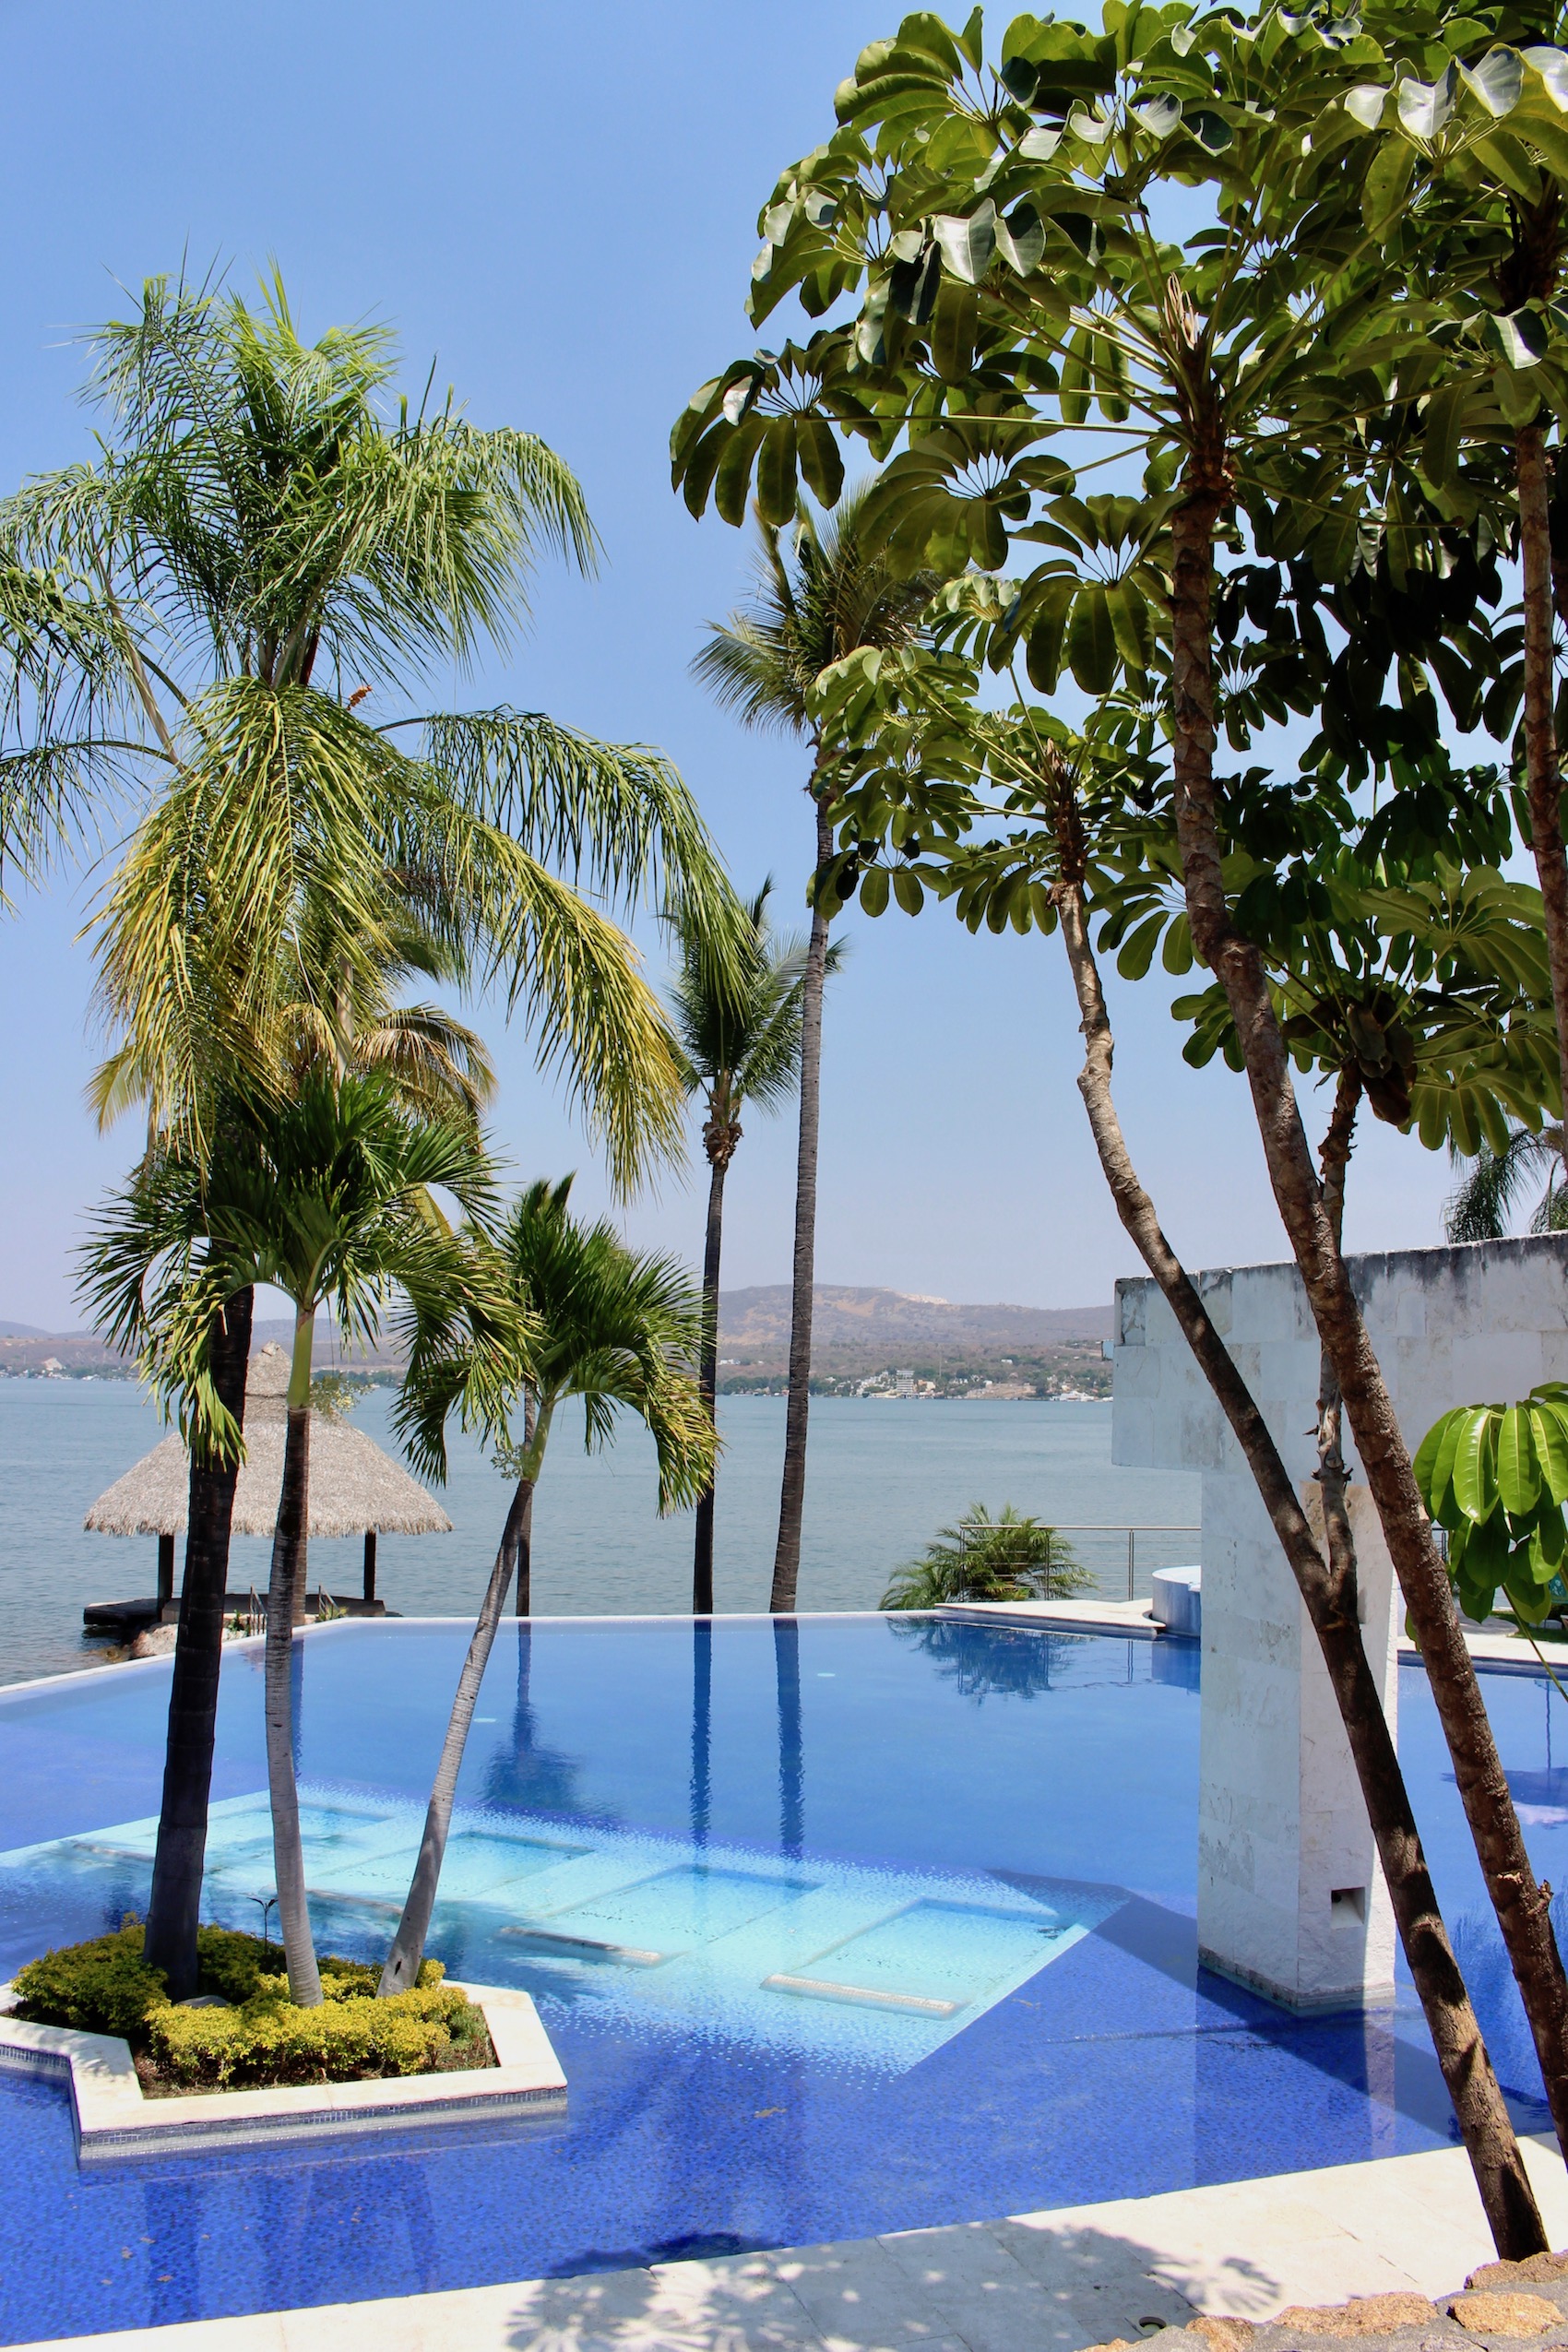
(984, 1662)
(524, 1774)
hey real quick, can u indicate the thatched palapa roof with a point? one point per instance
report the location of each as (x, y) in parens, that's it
(353, 1485)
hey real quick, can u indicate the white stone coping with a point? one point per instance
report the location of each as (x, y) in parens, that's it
(116, 2118)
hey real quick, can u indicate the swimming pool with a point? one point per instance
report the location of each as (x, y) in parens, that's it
(839, 1925)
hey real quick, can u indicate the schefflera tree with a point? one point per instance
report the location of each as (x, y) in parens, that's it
(1017, 819)
(1001, 224)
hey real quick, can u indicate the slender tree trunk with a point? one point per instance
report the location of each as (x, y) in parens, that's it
(1506, 2196)
(175, 1912)
(721, 1135)
(525, 1531)
(1523, 1910)
(402, 1968)
(290, 1553)
(791, 1505)
(1543, 782)
(1333, 1479)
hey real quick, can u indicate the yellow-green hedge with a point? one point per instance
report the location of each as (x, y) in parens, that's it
(106, 1987)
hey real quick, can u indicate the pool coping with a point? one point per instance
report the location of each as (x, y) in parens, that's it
(114, 2119)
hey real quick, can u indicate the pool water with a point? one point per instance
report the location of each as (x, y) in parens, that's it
(839, 1925)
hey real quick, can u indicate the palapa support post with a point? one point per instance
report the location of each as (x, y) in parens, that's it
(165, 1572)
(370, 1563)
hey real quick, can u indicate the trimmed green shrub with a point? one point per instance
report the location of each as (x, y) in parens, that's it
(350, 2036)
(106, 1987)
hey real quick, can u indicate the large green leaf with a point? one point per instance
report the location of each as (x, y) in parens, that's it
(820, 459)
(1518, 1472)
(1550, 1426)
(1386, 184)
(1441, 441)
(1091, 640)
(1474, 1463)
(775, 490)
(966, 244)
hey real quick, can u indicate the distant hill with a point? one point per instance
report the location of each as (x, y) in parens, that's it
(857, 1334)
(21, 1331)
(843, 1317)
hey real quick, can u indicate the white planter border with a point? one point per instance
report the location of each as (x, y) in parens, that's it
(113, 2116)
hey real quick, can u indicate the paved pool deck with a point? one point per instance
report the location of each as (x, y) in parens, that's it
(1044, 2282)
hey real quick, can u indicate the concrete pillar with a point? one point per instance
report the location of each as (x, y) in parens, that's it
(1289, 1898)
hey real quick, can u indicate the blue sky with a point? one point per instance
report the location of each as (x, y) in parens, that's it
(558, 205)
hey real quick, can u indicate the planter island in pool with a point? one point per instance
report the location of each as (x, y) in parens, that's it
(114, 2117)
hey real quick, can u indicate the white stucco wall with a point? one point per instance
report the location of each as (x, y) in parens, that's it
(1282, 1829)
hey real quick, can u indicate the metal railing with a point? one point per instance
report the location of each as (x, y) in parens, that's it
(988, 1537)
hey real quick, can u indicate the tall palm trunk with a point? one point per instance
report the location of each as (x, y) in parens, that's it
(1522, 1909)
(792, 1505)
(175, 1907)
(720, 1134)
(287, 1579)
(1330, 1599)
(403, 1961)
(702, 1732)
(525, 1531)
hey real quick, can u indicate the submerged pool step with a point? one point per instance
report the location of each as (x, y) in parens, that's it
(633, 1956)
(869, 1996)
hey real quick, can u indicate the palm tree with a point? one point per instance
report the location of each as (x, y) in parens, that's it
(325, 1194)
(1007, 1558)
(255, 552)
(590, 1318)
(740, 1032)
(186, 619)
(1479, 1209)
(824, 596)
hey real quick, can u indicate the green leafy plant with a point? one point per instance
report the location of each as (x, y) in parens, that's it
(105, 1986)
(1496, 1478)
(1007, 1558)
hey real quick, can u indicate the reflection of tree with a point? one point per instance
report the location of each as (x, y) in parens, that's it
(702, 1728)
(530, 1777)
(792, 1755)
(986, 1661)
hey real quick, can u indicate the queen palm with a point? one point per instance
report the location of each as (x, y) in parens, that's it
(325, 1194)
(558, 1309)
(256, 553)
(738, 1020)
(820, 596)
(1484, 1201)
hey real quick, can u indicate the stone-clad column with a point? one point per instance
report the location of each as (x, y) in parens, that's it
(1290, 1900)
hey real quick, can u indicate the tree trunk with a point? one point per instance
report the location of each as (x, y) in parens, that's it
(403, 1961)
(286, 1581)
(708, 1374)
(175, 1912)
(791, 1504)
(1505, 2192)
(1522, 1909)
(1542, 781)
(525, 1531)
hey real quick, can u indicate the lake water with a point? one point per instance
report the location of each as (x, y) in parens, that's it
(882, 1477)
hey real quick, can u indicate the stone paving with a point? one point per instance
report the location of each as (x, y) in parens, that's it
(1244, 2264)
